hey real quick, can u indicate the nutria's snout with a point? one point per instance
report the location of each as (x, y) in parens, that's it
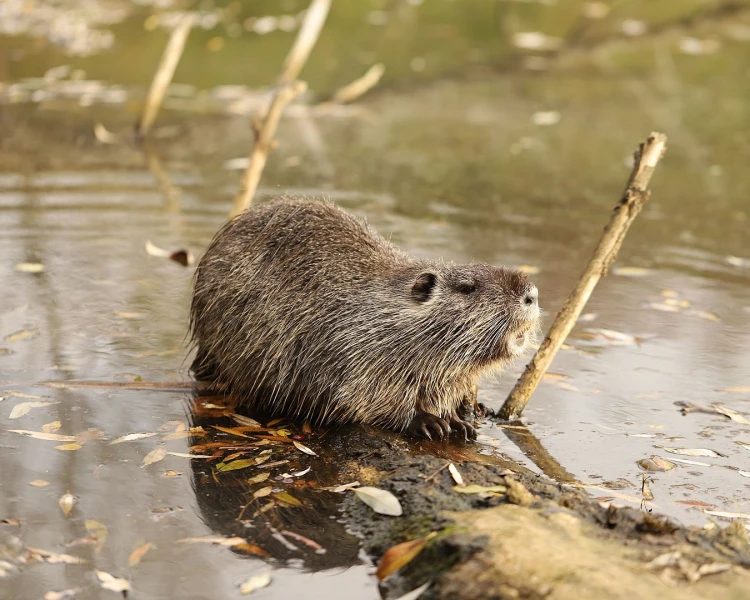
(523, 334)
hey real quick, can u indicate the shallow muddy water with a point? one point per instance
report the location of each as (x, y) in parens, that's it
(456, 168)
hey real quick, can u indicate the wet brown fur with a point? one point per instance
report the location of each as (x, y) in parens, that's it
(303, 310)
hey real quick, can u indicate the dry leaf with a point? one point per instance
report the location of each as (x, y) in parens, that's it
(302, 448)
(484, 490)
(19, 410)
(381, 501)
(217, 540)
(743, 389)
(247, 421)
(396, 557)
(686, 461)
(183, 455)
(655, 463)
(41, 435)
(66, 503)
(131, 437)
(693, 452)
(112, 583)
(138, 554)
(255, 582)
(171, 473)
(154, 456)
(455, 474)
(53, 558)
(51, 427)
(30, 267)
(39, 483)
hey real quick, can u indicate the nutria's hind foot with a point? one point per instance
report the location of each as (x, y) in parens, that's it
(462, 429)
(427, 425)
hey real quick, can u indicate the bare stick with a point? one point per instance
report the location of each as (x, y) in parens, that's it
(264, 142)
(360, 86)
(309, 31)
(165, 72)
(636, 194)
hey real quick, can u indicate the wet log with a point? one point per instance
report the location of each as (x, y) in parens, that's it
(635, 196)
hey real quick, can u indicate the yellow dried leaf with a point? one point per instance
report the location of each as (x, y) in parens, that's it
(396, 557)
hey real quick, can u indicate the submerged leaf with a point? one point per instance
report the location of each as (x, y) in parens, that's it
(694, 452)
(255, 582)
(98, 531)
(381, 501)
(396, 557)
(19, 410)
(39, 483)
(66, 503)
(41, 435)
(154, 456)
(72, 446)
(217, 540)
(53, 558)
(243, 463)
(112, 583)
(137, 555)
(131, 437)
(287, 498)
(655, 463)
(51, 427)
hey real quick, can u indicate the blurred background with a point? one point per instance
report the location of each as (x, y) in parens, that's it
(501, 131)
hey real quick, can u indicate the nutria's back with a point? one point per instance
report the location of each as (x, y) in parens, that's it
(304, 310)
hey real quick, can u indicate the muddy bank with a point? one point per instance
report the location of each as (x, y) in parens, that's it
(506, 532)
(537, 539)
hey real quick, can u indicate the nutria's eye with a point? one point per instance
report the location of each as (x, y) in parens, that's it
(466, 288)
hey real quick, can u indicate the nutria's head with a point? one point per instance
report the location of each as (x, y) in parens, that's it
(474, 315)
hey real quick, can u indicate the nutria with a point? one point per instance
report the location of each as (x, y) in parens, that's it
(301, 309)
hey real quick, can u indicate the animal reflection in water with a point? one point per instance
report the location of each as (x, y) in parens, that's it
(260, 487)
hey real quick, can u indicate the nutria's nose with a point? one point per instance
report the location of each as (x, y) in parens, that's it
(531, 298)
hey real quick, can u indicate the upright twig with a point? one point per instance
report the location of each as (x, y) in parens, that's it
(308, 34)
(264, 142)
(636, 194)
(359, 86)
(289, 88)
(165, 72)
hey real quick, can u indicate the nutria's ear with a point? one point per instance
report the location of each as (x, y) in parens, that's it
(423, 287)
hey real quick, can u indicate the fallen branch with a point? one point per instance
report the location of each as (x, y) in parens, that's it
(636, 194)
(309, 31)
(264, 142)
(165, 72)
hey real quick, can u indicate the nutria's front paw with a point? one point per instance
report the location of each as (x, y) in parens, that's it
(463, 429)
(429, 426)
